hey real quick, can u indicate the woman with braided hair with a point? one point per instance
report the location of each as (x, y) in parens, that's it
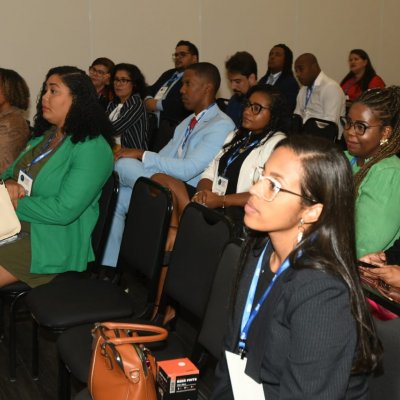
(372, 134)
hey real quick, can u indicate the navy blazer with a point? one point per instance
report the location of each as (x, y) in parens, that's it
(302, 343)
(173, 108)
(288, 85)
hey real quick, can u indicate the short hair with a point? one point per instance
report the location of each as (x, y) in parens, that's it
(243, 63)
(208, 71)
(85, 119)
(193, 50)
(109, 64)
(14, 88)
(138, 79)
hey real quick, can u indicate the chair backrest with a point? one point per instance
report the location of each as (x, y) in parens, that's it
(322, 128)
(107, 203)
(201, 238)
(215, 319)
(296, 124)
(145, 233)
(387, 385)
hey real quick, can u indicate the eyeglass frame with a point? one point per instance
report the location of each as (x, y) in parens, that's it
(122, 81)
(259, 177)
(352, 124)
(94, 71)
(247, 104)
(180, 54)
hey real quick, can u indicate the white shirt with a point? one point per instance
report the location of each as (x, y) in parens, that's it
(327, 101)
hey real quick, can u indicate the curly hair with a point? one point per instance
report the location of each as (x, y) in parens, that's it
(138, 79)
(385, 104)
(369, 72)
(14, 88)
(279, 115)
(86, 118)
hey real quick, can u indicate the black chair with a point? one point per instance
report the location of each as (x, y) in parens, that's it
(321, 128)
(62, 304)
(201, 238)
(14, 292)
(387, 384)
(214, 321)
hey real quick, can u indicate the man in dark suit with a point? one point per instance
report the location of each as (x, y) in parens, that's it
(280, 73)
(164, 98)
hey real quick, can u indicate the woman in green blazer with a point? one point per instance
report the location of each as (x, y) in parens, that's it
(55, 182)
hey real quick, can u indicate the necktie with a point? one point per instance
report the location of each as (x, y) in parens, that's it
(192, 123)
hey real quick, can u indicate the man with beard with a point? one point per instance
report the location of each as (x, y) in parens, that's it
(164, 98)
(242, 74)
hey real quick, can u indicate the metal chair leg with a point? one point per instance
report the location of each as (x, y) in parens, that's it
(35, 351)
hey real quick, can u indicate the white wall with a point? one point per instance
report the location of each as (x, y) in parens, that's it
(39, 34)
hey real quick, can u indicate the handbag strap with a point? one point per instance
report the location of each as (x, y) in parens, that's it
(160, 333)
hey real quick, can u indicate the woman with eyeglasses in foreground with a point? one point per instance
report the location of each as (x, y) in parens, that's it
(372, 135)
(225, 183)
(299, 326)
(127, 112)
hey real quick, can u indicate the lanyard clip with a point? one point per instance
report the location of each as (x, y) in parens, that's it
(242, 353)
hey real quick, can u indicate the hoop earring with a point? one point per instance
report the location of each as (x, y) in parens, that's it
(383, 142)
(300, 232)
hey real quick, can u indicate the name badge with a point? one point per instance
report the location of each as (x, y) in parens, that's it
(220, 185)
(160, 94)
(26, 182)
(243, 386)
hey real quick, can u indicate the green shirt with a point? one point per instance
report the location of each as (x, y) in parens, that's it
(378, 206)
(63, 206)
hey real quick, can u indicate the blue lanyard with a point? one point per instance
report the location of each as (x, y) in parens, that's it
(249, 315)
(173, 78)
(237, 152)
(353, 161)
(308, 94)
(189, 131)
(43, 153)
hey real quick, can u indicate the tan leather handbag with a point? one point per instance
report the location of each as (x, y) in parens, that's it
(122, 367)
(9, 222)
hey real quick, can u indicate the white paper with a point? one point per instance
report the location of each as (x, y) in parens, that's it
(243, 387)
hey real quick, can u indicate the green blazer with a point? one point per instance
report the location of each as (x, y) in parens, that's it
(63, 206)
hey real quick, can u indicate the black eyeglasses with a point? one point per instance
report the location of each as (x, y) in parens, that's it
(95, 71)
(359, 127)
(180, 54)
(123, 81)
(255, 107)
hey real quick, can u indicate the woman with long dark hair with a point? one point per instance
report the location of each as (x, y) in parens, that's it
(225, 183)
(56, 181)
(299, 328)
(362, 76)
(127, 112)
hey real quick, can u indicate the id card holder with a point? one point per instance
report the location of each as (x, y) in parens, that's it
(243, 387)
(160, 94)
(220, 185)
(26, 182)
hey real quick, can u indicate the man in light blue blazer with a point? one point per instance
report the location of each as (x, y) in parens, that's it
(196, 141)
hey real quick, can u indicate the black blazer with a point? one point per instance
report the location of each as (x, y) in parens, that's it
(288, 85)
(173, 108)
(302, 343)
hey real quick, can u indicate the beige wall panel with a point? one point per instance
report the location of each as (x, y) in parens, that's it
(144, 32)
(37, 35)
